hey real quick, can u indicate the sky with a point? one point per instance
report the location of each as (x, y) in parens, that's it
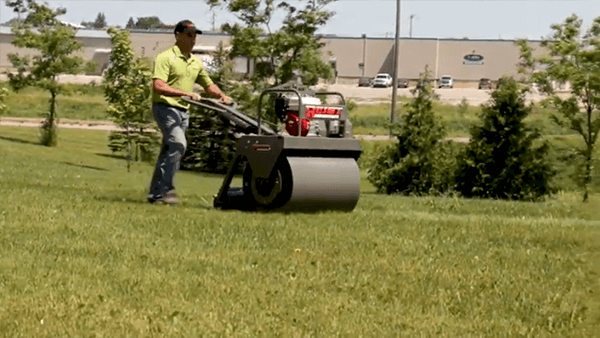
(483, 19)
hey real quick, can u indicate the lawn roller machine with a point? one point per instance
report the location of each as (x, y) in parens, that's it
(311, 166)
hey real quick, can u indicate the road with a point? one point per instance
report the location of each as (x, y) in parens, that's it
(454, 96)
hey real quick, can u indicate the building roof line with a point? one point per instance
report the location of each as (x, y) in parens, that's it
(89, 33)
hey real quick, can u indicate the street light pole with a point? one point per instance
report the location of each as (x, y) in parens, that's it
(364, 36)
(395, 74)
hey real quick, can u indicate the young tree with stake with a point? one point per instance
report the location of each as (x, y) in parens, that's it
(55, 44)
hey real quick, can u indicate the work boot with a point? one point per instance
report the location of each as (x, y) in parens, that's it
(167, 199)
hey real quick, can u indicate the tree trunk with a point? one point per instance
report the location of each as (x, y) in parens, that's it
(52, 108)
(588, 155)
(128, 138)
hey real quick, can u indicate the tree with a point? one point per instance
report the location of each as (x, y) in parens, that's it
(505, 158)
(127, 90)
(280, 56)
(87, 24)
(149, 22)
(100, 21)
(130, 23)
(574, 57)
(294, 47)
(54, 43)
(421, 163)
(18, 6)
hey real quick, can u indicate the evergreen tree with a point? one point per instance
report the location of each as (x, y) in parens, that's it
(127, 90)
(505, 159)
(421, 163)
(211, 139)
(100, 21)
(130, 23)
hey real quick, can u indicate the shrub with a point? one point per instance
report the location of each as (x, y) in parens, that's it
(463, 106)
(211, 142)
(417, 173)
(3, 94)
(502, 160)
(48, 134)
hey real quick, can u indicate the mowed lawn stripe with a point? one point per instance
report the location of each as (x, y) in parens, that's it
(83, 254)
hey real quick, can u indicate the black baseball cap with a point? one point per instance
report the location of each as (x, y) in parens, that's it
(186, 26)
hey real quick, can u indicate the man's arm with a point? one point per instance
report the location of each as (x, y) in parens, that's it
(161, 87)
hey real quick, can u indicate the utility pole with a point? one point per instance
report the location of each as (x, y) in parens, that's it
(364, 65)
(395, 74)
(411, 19)
(213, 21)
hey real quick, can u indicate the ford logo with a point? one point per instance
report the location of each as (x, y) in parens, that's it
(473, 57)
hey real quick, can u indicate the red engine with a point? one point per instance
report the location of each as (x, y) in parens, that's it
(291, 125)
(324, 120)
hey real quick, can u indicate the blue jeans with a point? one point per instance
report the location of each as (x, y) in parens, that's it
(173, 122)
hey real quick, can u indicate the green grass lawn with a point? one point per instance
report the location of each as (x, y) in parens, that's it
(82, 102)
(83, 255)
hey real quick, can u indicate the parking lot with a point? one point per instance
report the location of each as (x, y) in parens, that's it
(366, 95)
(362, 95)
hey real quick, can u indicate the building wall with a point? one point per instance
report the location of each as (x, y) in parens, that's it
(413, 56)
(499, 58)
(90, 45)
(149, 44)
(442, 56)
(349, 53)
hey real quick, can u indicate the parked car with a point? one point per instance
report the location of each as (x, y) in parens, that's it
(402, 83)
(446, 81)
(485, 83)
(382, 80)
(365, 81)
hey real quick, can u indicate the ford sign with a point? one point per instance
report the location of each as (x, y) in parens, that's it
(473, 59)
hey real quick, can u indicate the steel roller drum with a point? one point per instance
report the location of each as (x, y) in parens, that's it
(320, 183)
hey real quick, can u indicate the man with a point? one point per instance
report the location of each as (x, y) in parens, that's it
(175, 72)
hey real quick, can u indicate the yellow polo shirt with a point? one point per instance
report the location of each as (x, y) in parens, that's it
(178, 72)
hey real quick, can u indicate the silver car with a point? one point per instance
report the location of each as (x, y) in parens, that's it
(446, 81)
(382, 80)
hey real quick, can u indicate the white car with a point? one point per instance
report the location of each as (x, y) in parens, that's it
(446, 82)
(382, 80)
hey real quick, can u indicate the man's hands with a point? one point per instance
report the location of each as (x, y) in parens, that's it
(214, 91)
(194, 96)
(226, 100)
